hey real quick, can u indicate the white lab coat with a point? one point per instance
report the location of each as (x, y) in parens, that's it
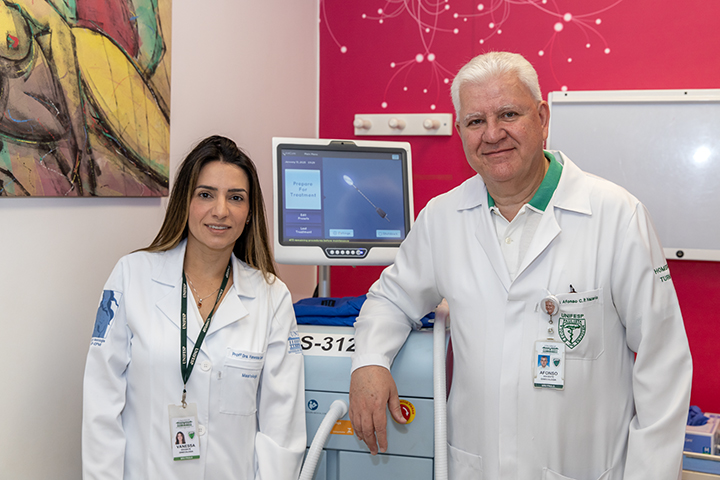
(251, 426)
(617, 417)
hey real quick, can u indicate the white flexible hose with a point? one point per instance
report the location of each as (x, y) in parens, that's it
(439, 391)
(337, 410)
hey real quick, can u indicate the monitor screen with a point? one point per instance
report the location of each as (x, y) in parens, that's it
(341, 202)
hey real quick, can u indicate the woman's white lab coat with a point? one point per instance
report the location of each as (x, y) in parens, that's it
(617, 417)
(251, 413)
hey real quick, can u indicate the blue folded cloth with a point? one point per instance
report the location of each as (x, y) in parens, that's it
(329, 307)
(696, 417)
(342, 311)
(333, 321)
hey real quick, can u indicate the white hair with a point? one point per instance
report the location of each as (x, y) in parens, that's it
(492, 65)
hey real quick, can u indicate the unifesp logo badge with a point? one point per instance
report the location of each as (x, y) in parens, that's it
(572, 328)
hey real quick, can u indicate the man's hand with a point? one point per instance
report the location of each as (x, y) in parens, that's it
(372, 388)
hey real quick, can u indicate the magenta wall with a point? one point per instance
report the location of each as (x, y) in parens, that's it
(381, 57)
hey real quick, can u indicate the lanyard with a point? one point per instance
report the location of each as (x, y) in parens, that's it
(186, 367)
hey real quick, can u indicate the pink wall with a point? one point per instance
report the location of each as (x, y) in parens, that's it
(381, 57)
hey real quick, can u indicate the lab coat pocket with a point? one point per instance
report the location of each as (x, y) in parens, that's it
(550, 475)
(580, 324)
(462, 464)
(239, 382)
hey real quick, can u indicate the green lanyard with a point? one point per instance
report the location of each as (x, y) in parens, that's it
(186, 367)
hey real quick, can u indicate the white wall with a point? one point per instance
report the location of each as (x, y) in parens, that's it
(247, 70)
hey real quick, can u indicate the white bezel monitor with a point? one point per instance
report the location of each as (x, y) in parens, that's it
(340, 202)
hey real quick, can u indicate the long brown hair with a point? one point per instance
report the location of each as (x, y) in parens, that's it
(253, 246)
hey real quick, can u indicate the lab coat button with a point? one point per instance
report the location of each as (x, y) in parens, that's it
(206, 366)
(508, 240)
(201, 429)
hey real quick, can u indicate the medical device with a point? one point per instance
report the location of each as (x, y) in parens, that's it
(661, 145)
(417, 449)
(341, 202)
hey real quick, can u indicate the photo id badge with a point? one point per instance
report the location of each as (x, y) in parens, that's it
(184, 438)
(549, 364)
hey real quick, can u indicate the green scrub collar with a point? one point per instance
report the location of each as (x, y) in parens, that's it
(544, 193)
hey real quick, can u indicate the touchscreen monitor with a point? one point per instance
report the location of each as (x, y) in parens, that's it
(341, 202)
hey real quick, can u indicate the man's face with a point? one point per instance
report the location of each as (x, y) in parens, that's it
(503, 130)
(543, 361)
(549, 307)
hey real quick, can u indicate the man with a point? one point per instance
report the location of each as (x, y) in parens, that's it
(532, 227)
(544, 361)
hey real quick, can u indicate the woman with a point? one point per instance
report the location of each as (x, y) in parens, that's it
(241, 399)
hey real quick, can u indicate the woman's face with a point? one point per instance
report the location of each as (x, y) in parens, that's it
(219, 207)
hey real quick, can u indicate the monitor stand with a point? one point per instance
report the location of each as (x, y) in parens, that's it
(324, 281)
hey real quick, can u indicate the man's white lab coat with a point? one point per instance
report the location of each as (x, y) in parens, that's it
(617, 417)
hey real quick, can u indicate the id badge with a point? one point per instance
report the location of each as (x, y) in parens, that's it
(549, 364)
(184, 439)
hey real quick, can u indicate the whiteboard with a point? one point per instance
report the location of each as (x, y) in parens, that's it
(661, 145)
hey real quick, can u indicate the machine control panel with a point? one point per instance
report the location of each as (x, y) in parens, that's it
(350, 252)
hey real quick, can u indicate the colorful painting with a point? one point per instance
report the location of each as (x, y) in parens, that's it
(85, 97)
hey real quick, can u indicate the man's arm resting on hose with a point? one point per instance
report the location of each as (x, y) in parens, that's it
(405, 292)
(380, 332)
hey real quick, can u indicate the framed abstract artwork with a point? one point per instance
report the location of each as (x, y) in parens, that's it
(85, 97)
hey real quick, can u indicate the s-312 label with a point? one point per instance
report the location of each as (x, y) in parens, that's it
(328, 344)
